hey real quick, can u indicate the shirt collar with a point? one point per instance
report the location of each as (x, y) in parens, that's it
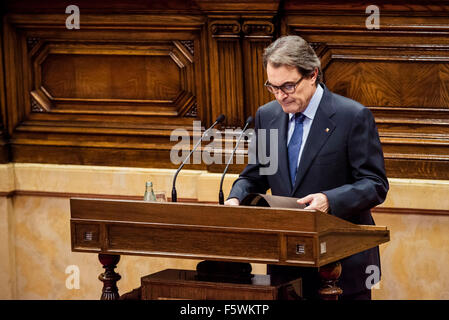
(313, 104)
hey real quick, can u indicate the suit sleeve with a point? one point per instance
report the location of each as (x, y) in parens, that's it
(250, 180)
(369, 184)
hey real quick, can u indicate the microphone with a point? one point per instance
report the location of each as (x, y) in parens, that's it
(174, 197)
(220, 194)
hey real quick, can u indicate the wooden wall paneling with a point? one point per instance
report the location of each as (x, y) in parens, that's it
(14, 83)
(328, 8)
(258, 34)
(202, 64)
(100, 156)
(103, 6)
(104, 78)
(237, 46)
(84, 90)
(124, 81)
(237, 30)
(246, 27)
(134, 74)
(4, 146)
(399, 71)
(225, 56)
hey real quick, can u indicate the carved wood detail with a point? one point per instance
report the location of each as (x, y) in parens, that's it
(258, 29)
(108, 79)
(35, 106)
(255, 76)
(190, 45)
(109, 277)
(193, 112)
(225, 29)
(32, 42)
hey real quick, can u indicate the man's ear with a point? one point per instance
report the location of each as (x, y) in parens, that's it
(315, 74)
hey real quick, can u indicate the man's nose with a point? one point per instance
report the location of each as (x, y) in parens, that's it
(281, 95)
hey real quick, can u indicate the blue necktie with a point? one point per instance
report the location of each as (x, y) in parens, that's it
(295, 145)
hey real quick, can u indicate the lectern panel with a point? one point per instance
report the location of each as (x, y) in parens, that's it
(300, 249)
(192, 242)
(342, 244)
(87, 235)
(212, 232)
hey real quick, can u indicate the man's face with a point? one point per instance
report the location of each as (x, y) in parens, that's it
(300, 98)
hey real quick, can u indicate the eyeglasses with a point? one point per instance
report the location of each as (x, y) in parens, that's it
(287, 88)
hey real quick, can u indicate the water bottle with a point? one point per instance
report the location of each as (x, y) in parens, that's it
(149, 193)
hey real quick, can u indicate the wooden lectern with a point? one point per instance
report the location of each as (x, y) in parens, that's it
(295, 237)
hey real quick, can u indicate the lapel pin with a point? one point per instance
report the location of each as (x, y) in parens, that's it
(327, 129)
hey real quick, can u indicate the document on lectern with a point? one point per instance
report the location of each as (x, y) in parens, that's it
(267, 200)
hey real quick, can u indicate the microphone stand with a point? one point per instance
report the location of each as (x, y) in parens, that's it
(174, 196)
(220, 194)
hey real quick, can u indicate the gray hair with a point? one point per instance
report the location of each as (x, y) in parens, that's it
(293, 51)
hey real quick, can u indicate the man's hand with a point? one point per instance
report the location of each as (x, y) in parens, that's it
(232, 202)
(315, 201)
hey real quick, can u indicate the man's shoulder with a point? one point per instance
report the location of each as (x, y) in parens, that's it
(347, 110)
(346, 107)
(346, 103)
(270, 109)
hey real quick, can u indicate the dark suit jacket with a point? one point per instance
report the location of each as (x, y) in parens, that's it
(342, 158)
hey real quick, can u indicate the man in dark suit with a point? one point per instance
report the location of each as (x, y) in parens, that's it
(328, 154)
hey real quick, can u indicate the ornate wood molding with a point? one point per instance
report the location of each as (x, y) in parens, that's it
(35, 106)
(258, 29)
(189, 45)
(225, 29)
(32, 42)
(192, 112)
(247, 28)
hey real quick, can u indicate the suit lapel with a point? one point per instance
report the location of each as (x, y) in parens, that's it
(322, 128)
(280, 121)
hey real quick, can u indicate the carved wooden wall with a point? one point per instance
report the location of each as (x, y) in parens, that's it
(400, 71)
(111, 92)
(4, 148)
